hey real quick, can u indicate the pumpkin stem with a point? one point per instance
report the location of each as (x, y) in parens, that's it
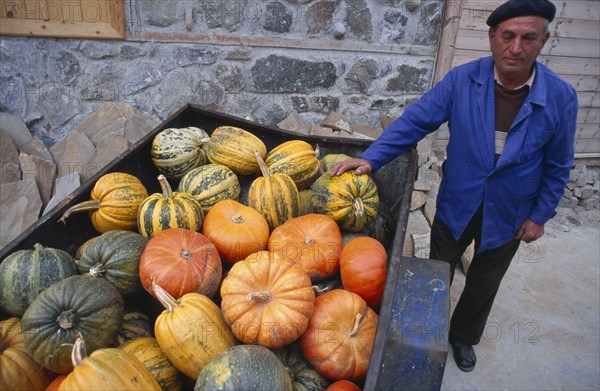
(165, 187)
(260, 297)
(164, 297)
(237, 219)
(263, 166)
(204, 140)
(37, 249)
(96, 271)
(186, 254)
(319, 291)
(309, 240)
(354, 330)
(66, 320)
(318, 151)
(78, 353)
(359, 207)
(81, 207)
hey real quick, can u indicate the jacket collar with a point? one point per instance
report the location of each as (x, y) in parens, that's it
(482, 74)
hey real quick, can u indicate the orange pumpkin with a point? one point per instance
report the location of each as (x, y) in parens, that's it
(343, 385)
(340, 336)
(312, 241)
(181, 261)
(266, 300)
(236, 230)
(18, 370)
(363, 269)
(55, 384)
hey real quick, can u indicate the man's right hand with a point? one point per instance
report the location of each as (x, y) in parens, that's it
(361, 166)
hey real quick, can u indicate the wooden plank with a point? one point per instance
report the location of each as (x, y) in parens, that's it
(584, 84)
(588, 99)
(64, 18)
(446, 45)
(561, 65)
(567, 47)
(587, 131)
(587, 145)
(588, 115)
(576, 9)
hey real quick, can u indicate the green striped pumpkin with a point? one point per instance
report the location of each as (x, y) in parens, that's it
(135, 325)
(350, 199)
(274, 196)
(114, 255)
(327, 161)
(297, 159)
(234, 147)
(210, 184)
(175, 151)
(168, 210)
(148, 352)
(25, 273)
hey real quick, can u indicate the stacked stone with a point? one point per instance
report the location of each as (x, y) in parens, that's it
(583, 189)
(35, 179)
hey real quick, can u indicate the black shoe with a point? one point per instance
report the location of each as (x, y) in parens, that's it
(464, 355)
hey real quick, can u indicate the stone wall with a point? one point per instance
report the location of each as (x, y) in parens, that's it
(262, 59)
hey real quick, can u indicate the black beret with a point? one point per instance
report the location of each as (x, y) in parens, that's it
(513, 8)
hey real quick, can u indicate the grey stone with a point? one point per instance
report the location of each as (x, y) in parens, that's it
(587, 192)
(417, 200)
(62, 188)
(568, 202)
(64, 67)
(358, 19)
(409, 79)
(383, 104)
(42, 171)
(35, 147)
(412, 5)
(129, 51)
(185, 56)
(239, 55)
(269, 114)
(10, 169)
(589, 204)
(104, 85)
(365, 130)
(421, 185)
(98, 50)
(206, 93)
(278, 18)
(318, 104)
(577, 192)
(319, 16)
(230, 77)
(394, 26)
(416, 225)
(12, 95)
(467, 257)
(294, 123)
(107, 149)
(176, 87)
(77, 153)
(429, 210)
(339, 30)
(386, 119)
(421, 244)
(144, 75)
(284, 74)
(137, 126)
(59, 106)
(429, 26)
(159, 13)
(189, 17)
(337, 121)
(229, 14)
(15, 128)
(20, 206)
(317, 130)
(360, 77)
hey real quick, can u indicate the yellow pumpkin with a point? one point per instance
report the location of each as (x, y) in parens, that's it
(147, 351)
(234, 147)
(106, 369)
(114, 203)
(191, 348)
(18, 370)
(275, 196)
(170, 209)
(297, 159)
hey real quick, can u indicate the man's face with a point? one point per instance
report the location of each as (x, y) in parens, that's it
(515, 45)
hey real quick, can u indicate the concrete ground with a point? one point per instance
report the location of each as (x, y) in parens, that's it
(544, 330)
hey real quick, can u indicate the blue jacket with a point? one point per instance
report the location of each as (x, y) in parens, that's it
(528, 179)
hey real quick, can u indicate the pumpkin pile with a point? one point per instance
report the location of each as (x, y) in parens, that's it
(260, 270)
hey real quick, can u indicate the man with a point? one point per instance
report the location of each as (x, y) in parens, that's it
(512, 127)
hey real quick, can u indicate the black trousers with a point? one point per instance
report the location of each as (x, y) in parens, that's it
(483, 278)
